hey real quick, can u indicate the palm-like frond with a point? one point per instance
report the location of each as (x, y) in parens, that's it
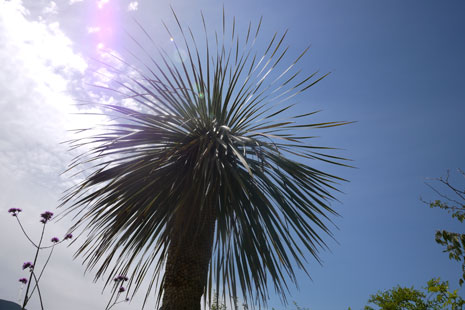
(208, 135)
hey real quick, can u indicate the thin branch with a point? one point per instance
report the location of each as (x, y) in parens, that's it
(43, 268)
(442, 195)
(51, 246)
(24, 231)
(26, 298)
(457, 191)
(461, 172)
(109, 302)
(38, 290)
(115, 303)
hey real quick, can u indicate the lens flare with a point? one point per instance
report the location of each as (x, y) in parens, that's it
(101, 3)
(103, 24)
(93, 29)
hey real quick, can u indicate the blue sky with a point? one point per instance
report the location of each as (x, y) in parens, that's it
(396, 68)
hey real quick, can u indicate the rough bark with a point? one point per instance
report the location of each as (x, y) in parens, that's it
(189, 255)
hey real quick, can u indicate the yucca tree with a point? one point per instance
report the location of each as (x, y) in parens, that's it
(209, 182)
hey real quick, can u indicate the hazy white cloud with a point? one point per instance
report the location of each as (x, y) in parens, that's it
(101, 3)
(51, 8)
(37, 60)
(71, 2)
(41, 73)
(93, 29)
(133, 6)
(39, 66)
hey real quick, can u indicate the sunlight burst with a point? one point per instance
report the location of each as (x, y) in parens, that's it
(101, 3)
(133, 6)
(93, 29)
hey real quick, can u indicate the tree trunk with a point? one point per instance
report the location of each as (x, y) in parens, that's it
(189, 255)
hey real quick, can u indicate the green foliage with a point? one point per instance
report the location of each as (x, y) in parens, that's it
(397, 299)
(221, 306)
(453, 242)
(297, 307)
(436, 296)
(216, 305)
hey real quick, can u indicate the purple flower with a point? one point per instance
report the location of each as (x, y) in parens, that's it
(23, 280)
(121, 278)
(55, 240)
(46, 216)
(68, 236)
(28, 265)
(121, 289)
(14, 211)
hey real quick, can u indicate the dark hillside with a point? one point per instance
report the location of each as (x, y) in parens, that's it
(8, 305)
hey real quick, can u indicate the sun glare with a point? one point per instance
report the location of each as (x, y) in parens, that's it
(133, 6)
(102, 24)
(93, 29)
(101, 3)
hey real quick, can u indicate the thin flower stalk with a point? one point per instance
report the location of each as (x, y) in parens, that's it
(118, 289)
(31, 266)
(26, 298)
(38, 289)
